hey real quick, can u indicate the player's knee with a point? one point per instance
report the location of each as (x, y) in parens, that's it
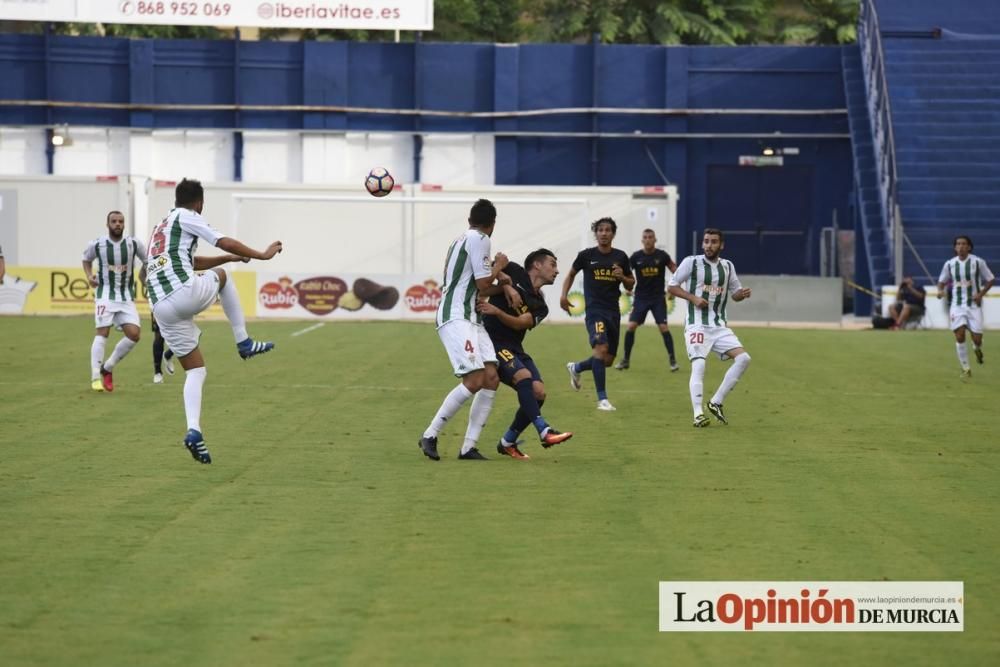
(223, 276)
(132, 336)
(607, 360)
(539, 391)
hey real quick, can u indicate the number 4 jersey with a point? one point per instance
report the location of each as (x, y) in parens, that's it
(171, 251)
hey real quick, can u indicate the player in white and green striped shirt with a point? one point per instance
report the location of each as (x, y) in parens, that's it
(178, 293)
(468, 274)
(707, 282)
(114, 296)
(967, 279)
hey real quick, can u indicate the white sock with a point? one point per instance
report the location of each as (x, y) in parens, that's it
(963, 355)
(193, 381)
(733, 376)
(482, 404)
(234, 311)
(453, 402)
(696, 385)
(97, 356)
(123, 347)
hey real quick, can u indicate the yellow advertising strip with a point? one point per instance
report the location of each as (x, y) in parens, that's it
(31, 290)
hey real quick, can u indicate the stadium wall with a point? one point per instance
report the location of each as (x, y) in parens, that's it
(333, 238)
(337, 148)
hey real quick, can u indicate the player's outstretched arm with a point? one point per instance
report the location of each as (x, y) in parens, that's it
(235, 247)
(204, 263)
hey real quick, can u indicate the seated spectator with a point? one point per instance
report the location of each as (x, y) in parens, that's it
(909, 306)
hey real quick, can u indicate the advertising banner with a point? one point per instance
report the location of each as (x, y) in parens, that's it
(346, 296)
(328, 14)
(65, 291)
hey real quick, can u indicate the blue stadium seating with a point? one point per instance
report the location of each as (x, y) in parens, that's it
(945, 95)
(873, 255)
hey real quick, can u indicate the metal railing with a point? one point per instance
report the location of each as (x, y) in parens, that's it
(880, 113)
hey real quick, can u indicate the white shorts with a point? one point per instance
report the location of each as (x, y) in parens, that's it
(701, 341)
(966, 316)
(175, 314)
(468, 346)
(117, 313)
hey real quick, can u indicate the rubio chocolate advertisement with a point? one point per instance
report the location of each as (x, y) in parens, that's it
(330, 296)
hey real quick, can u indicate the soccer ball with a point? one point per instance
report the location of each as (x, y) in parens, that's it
(379, 182)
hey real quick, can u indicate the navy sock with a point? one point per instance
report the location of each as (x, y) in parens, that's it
(157, 353)
(584, 365)
(599, 379)
(629, 342)
(520, 423)
(668, 340)
(529, 404)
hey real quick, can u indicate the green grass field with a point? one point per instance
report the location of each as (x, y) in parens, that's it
(320, 535)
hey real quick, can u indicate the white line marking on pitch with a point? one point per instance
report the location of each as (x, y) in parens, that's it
(309, 328)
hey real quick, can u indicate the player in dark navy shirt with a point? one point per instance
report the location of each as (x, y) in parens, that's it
(650, 265)
(507, 326)
(604, 269)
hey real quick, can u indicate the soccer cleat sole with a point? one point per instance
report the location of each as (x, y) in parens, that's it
(717, 412)
(551, 440)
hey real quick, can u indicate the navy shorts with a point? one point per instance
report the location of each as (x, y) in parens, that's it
(603, 328)
(644, 305)
(511, 361)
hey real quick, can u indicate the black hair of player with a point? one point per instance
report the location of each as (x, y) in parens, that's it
(967, 240)
(536, 255)
(188, 192)
(111, 213)
(483, 214)
(597, 223)
(715, 232)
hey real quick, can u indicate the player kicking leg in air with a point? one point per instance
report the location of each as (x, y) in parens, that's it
(178, 294)
(711, 281)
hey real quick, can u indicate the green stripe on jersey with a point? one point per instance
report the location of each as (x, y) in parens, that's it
(100, 271)
(970, 267)
(455, 275)
(704, 292)
(131, 277)
(174, 251)
(122, 283)
(718, 299)
(691, 286)
(111, 273)
(470, 300)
